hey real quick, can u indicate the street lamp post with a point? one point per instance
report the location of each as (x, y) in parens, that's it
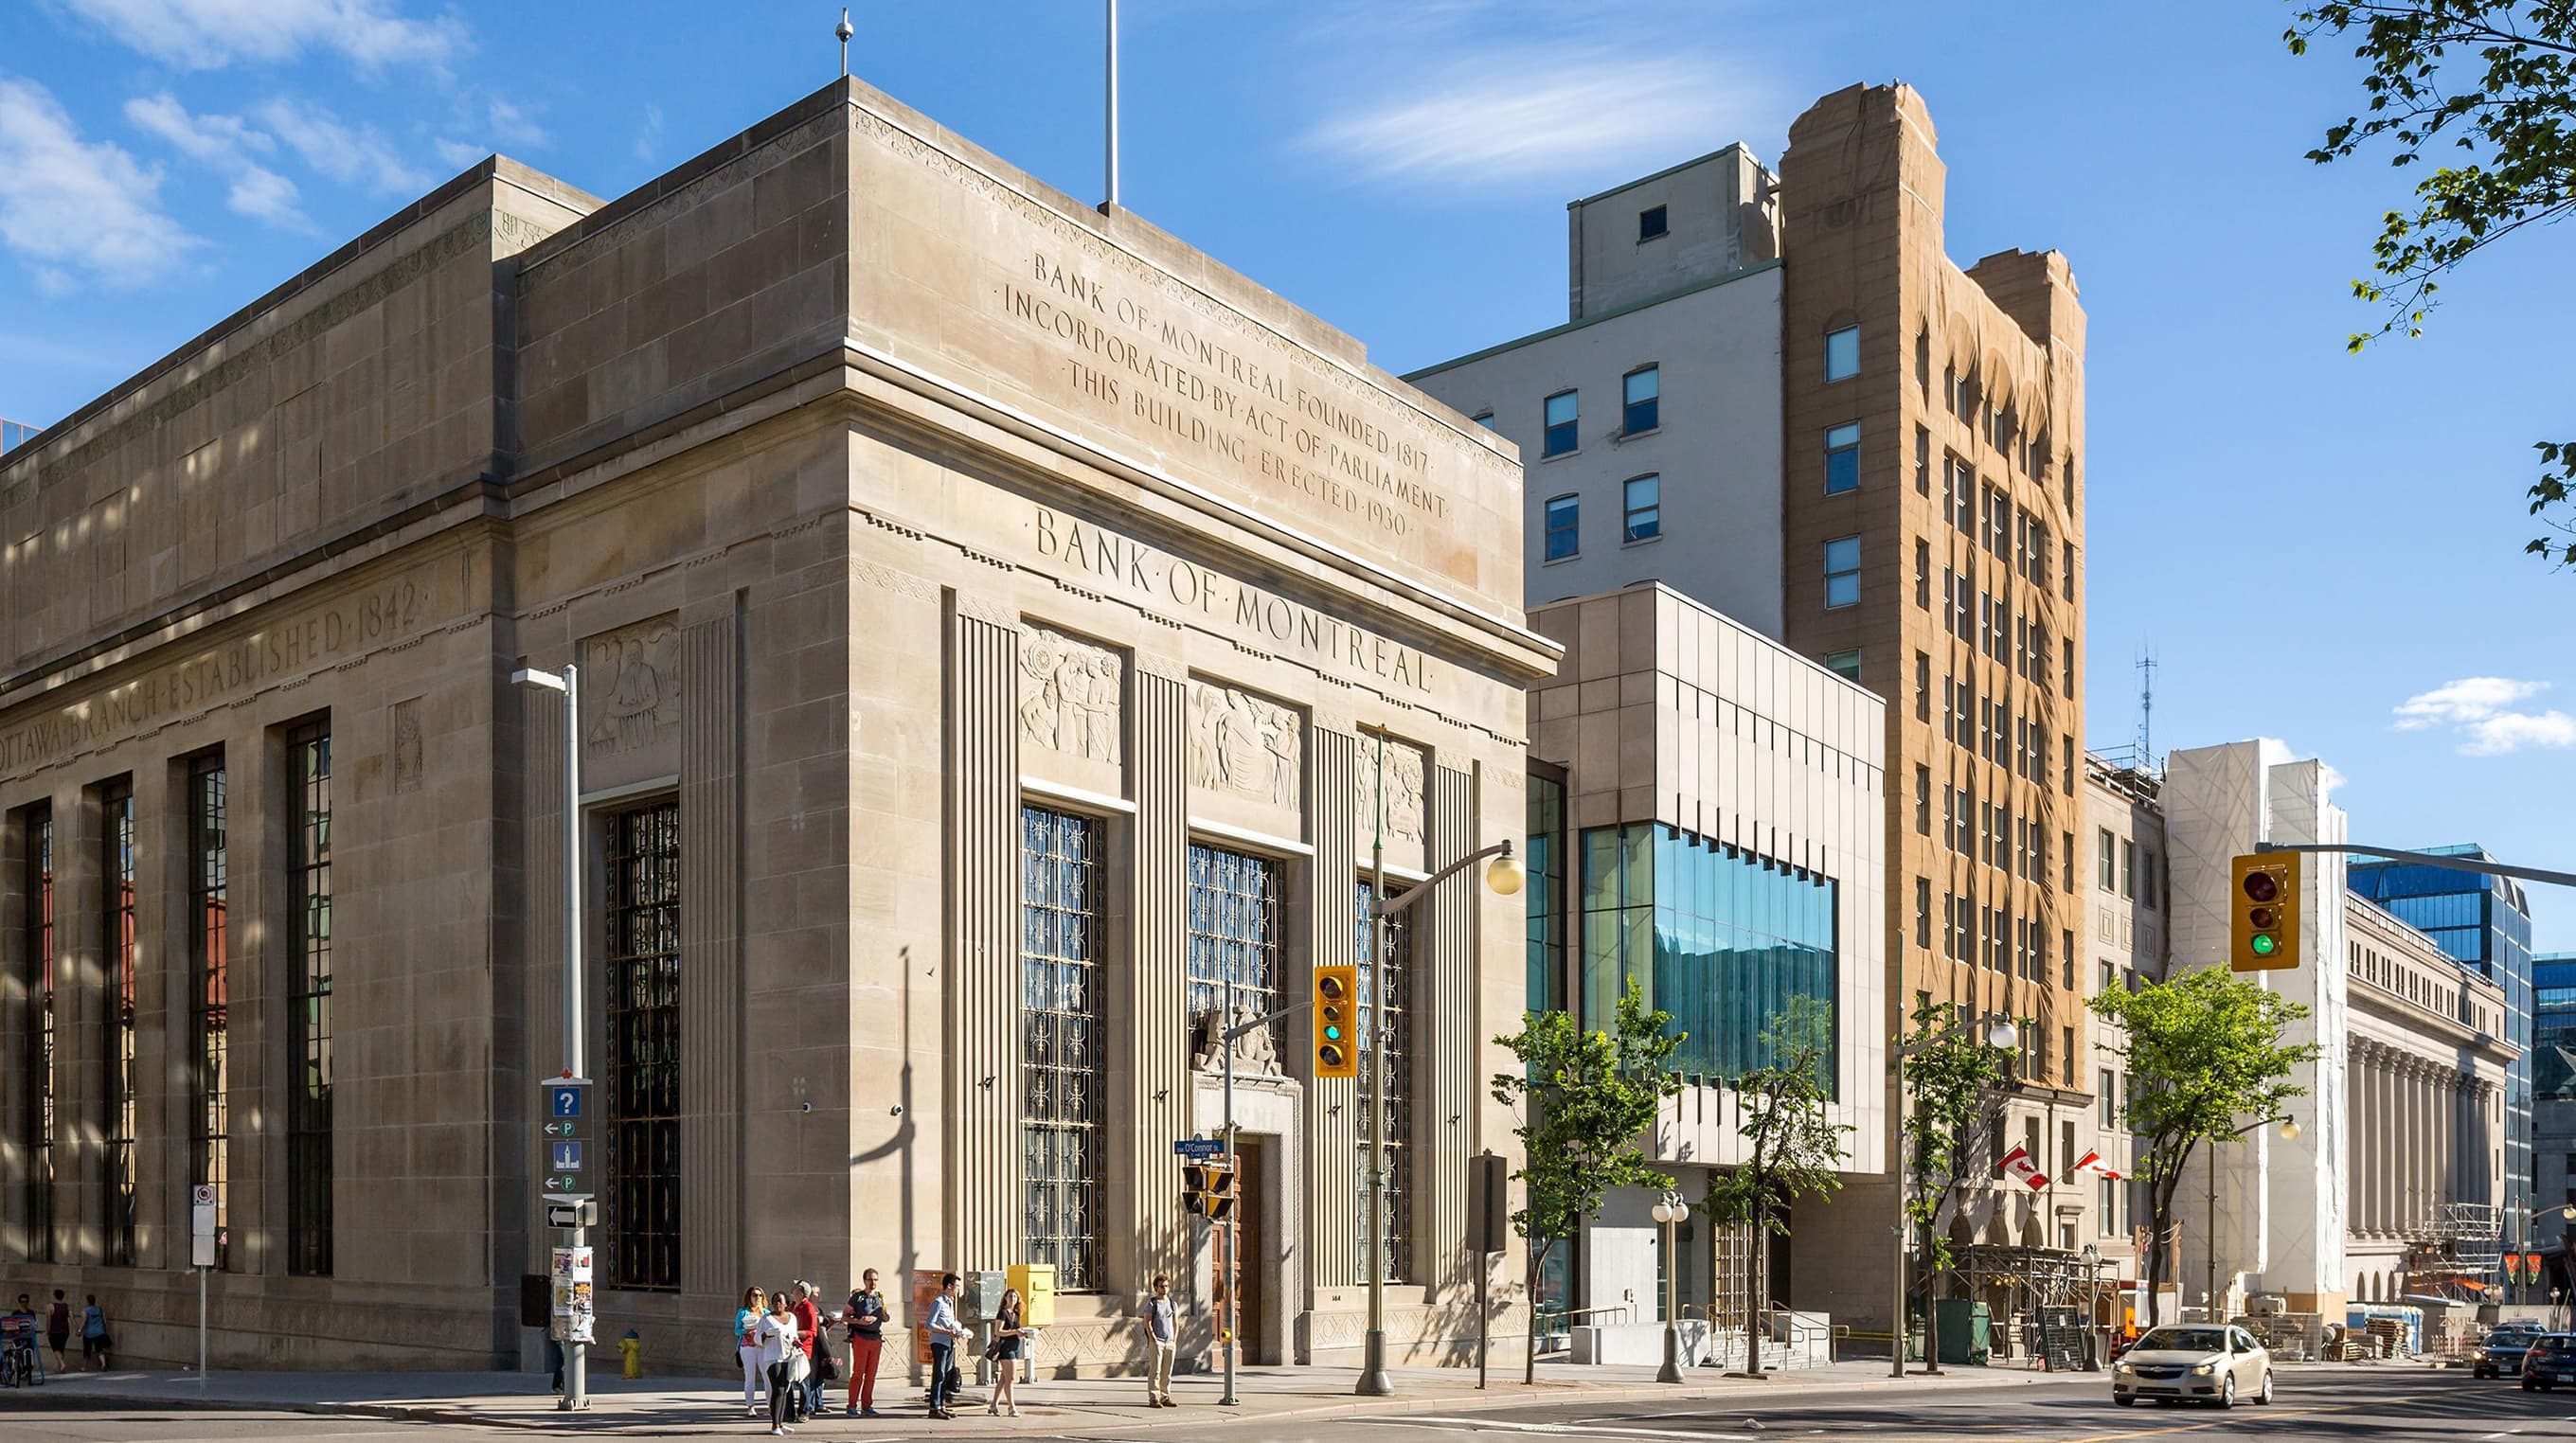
(576, 1353)
(2002, 1036)
(1670, 1209)
(2209, 1269)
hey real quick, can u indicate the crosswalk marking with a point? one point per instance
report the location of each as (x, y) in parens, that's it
(1574, 1430)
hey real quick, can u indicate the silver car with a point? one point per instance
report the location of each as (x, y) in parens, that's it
(2203, 1362)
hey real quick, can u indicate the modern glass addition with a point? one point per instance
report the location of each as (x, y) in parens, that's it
(1064, 918)
(1641, 400)
(1842, 458)
(117, 1205)
(210, 993)
(1544, 989)
(1563, 411)
(1564, 527)
(1236, 931)
(36, 836)
(1720, 937)
(1842, 572)
(1842, 354)
(642, 1068)
(1643, 516)
(1386, 1007)
(308, 951)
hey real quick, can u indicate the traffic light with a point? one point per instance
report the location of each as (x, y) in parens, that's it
(1336, 1022)
(1208, 1189)
(2263, 912)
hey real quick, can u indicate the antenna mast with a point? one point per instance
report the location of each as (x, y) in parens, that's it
(1111, 203)
(2147, 708)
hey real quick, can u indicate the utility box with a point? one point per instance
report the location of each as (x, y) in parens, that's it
(983, 1297)
(1036, 1282)
(1966, 1330)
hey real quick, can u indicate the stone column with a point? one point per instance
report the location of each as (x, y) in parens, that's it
(983, 935)
(1154, 1030)
(714, 1169)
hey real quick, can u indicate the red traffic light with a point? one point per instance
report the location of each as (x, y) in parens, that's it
(2262, 886)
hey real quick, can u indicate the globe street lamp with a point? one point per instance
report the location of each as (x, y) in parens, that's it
(1670, 1209)
(2002, 1036)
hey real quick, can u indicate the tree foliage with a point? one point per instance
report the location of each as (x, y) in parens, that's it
(2206, 1063)
(1792, 1148)
(2490, 86)
(1587, 1103)
(1953, 1082)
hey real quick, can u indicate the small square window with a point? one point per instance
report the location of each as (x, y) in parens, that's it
(1564, 527)
(1842, 354)
(1844, 664)
(1644, 510)
(1641, 400)
(1564, 409)
(1842, 458)
(1484, 419)
(1842, 572)
(1650, 223)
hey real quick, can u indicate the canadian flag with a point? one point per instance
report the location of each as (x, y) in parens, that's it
(2092, 1162)
(2018, 1162)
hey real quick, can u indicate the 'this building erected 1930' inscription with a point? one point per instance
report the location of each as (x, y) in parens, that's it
(1167, 370)
(1072, 547)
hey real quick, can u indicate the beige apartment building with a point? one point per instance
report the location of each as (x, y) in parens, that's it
(999, 626)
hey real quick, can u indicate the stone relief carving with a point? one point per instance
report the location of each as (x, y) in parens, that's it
(1256, 1052)
(1404, 768)
(408, 747)
(631, 681)
(1070, 692)
(1245, 744)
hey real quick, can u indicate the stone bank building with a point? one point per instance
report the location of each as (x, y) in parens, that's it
(998, 624)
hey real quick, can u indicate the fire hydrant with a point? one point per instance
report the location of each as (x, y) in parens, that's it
(632, 1347)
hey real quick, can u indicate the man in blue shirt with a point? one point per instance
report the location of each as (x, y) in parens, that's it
(945, 1334)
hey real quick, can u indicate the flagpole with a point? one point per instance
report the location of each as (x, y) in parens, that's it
(1112, 129)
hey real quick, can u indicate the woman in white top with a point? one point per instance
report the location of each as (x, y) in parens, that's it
(746, 1336)
(779, 1353)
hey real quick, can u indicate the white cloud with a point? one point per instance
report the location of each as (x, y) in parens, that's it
(457, 153)
(1543, 113)
(649, 139)
(226, 142)
(263, 194)
(212, 34)
(2479, 709)
(68, 203)
(352, 155)
(513, 126)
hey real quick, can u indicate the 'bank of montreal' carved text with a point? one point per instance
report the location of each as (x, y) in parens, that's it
(1070, 546)
(1168, 377)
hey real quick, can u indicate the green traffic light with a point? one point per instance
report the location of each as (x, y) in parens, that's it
(2265, 945)
(1333, 1034)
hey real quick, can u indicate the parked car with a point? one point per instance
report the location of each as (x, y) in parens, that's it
(2202, 1362)
(2548, 1362)
(2501, 1355)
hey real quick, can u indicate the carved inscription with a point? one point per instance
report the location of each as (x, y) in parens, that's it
(631, 685)
(1072, 548)
(1069, 694)
(1183, 376)
(1245, 743)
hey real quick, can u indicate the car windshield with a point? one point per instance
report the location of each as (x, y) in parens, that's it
(2518, 1337)
(2553, 1343)
(2184, 1340)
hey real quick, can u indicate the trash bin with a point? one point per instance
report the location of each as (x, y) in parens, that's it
(1965, 1326)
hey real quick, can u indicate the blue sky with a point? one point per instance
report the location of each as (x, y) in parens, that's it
(2319, 547)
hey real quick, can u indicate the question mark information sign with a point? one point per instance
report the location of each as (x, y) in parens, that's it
(563, 1140)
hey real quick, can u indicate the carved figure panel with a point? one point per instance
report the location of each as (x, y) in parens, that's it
(1245, 744)
(408, 745)
(1070, 694)
(630, 681)
(1403, 782)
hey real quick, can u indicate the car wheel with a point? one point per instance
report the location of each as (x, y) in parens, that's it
(2119, 1401)
(2227, 1391)
(2265, 1397)
(2529, 1386)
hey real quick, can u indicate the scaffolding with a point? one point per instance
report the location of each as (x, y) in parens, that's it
(2458, 1252)
(2016, 1281)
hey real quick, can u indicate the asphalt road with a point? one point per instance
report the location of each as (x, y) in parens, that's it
(2349, 1405)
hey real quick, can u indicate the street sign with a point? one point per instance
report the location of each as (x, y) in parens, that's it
(1198, 1149)
(560, 1129)
(566, 1156)
(581, 1214)
(566, 1096)
(201, 1226)
(561, 1184)
(563, 1155)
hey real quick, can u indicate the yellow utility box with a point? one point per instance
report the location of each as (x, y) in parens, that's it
(1036, 1282)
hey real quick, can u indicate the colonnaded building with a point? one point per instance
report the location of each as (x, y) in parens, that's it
(995, 621)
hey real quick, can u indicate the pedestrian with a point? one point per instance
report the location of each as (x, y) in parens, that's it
(1005, 1352)
(945, 1334)
(746, 1336)
(555, 1359)
(58, 1330)
(1163, 1330)
(866, 1315)
(94, 1339)
(780, 1359)
(817, 1349)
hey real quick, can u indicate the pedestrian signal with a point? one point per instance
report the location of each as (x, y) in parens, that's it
(1208, 1189)
(2263, 912)
(1337, 1052)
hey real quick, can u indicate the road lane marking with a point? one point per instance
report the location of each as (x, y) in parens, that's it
(1577, 1430)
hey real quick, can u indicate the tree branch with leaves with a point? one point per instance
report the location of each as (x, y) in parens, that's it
(1954, 1085)
(1793, 1149)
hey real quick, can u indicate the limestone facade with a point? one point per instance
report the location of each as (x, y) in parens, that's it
(988, 612)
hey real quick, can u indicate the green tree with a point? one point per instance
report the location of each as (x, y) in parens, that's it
(1587, 1102)
(2491, 86)
(1792, 1146)
(1954, 1093)
(2204, 1052)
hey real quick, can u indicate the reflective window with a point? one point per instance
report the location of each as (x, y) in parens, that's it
(1641, 400)
(1720, 937)
(641, 1212)
(1645, 512)
(1545, 988)
(1063, 1013)
(210, 993)
(1844, 664)
(1236, 927)
(1564, 527)
(1563, 410)
(1842, 354)
(1386, 1012)
(1842, 571)
(1842, 458)
(309, 1163)
(117, 948)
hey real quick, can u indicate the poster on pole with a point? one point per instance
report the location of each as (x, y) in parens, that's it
(573, 1318)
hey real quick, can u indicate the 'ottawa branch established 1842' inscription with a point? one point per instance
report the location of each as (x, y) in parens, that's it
(1072, 547)
(1165, 371)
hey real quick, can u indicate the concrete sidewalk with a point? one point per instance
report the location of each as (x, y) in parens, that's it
(695, 1406)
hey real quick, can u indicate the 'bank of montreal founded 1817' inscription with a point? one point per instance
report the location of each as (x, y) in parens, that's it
(1076, 548)
(1162, 373)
